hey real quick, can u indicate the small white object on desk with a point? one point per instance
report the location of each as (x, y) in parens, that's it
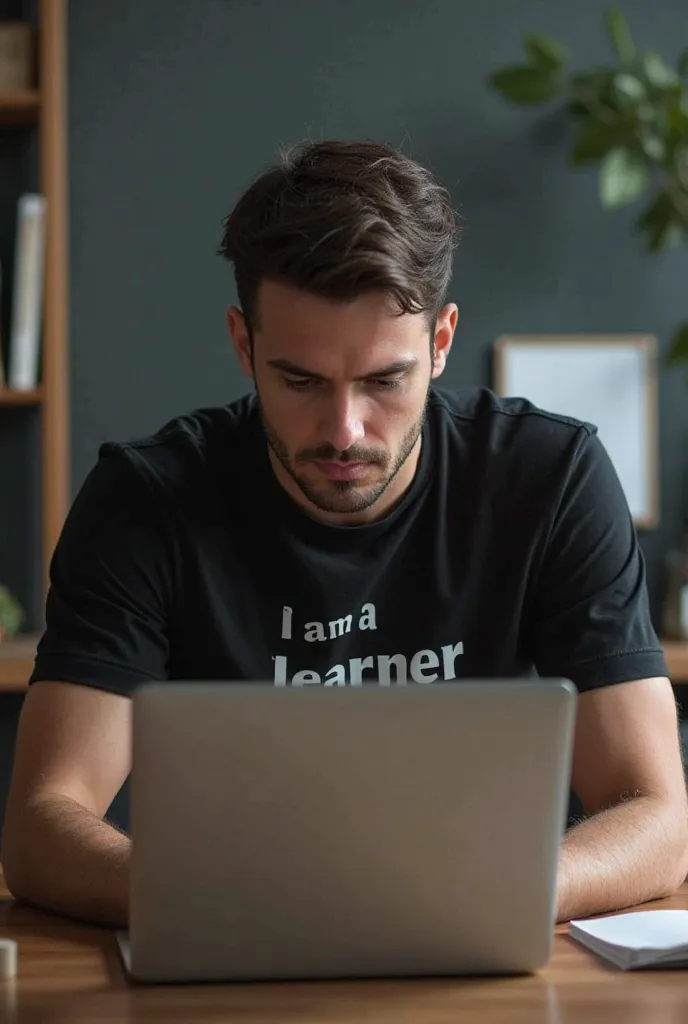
(643, 938)
(8, 959)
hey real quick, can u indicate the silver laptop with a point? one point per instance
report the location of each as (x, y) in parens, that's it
(369, 831)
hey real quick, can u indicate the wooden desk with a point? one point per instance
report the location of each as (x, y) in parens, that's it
(71, 973)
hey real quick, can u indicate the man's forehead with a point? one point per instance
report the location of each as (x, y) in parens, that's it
(282, 310)
(338, 354)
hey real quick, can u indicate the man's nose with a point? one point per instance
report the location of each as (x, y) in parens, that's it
(344, 425)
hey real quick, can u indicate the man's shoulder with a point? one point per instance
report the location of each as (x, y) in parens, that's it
(509, 456)
(188, 449)
(475, 416)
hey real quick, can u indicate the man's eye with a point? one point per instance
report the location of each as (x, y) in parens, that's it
(305, 383)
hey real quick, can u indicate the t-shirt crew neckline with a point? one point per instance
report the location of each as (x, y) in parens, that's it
(281, 506)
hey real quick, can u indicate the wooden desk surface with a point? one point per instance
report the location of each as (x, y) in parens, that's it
(71, 973)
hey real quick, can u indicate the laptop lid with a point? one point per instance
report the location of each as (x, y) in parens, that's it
(346, 832)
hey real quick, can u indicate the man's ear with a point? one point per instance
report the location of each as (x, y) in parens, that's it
(238, 329)
(444, 335)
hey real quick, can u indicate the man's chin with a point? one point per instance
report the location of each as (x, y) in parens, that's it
(342, 497)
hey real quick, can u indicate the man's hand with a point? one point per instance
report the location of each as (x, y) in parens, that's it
(628, 774)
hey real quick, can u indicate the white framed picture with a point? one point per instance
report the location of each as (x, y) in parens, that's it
(609, 380)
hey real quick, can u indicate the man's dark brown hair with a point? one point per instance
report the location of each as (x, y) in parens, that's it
(338, 219)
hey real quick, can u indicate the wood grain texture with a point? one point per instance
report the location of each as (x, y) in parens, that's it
(16, 662)
(53, 177)
(71, 973)
(11, 397)
(676, 653)
(19, 108)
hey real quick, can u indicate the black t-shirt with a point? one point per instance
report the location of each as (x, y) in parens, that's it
(512, 553)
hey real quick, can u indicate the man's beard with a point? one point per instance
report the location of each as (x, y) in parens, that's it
(343, 496)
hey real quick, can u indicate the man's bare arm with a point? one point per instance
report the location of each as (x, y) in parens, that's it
(628, 774)
(73, 754)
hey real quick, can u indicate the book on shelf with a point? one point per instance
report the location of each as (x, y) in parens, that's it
(17, 48)
(27, 293)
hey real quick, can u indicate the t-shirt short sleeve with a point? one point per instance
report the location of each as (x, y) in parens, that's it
(592, 620)
(107, 609)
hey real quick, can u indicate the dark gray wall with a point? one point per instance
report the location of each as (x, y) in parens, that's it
(176, 104)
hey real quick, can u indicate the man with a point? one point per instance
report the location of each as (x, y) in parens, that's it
(351, 522)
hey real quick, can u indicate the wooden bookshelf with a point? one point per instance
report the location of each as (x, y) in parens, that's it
(43, 112)
(16, 662)
(676, 652)
(52, 147)
(10, 397)
(19, 107)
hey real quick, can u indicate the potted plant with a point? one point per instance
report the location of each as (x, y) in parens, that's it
(11, 614)
(631, 118)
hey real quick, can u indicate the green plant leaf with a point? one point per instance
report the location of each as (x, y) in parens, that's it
(596, 80)
(682, 66)
(595, 91)
(629, 87)
(677, 119)
(646, 112)
(619, 34)
(678, 350)
(675, 132)
(11, 612)
(623, 176)
(660, 222)
(544, 52)
(577, 109)
(658, 73)
(595, 85)
(680, 157)
(597, 138)
(653, 147)
(525, 85)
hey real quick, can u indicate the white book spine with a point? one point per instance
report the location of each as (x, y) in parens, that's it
(27, 300)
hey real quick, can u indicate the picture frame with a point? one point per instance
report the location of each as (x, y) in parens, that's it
(609, 380)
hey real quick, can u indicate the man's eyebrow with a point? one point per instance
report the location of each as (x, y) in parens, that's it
(400, 366)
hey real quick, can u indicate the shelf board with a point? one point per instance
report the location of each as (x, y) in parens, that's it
(8, 396)
(676, 654)
(17, 657)
(19, 107)
(16, 662)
